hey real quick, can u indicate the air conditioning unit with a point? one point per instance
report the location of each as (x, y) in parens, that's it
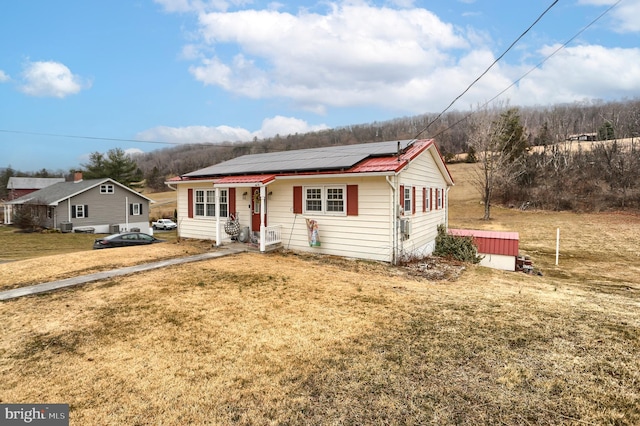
(66, 227)
(405, 228)
(114, 228)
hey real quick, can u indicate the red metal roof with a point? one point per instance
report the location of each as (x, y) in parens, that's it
(246, 179)
(392, 163)
(491, 242)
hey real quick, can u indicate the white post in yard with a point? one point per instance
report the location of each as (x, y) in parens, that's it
(557, 245)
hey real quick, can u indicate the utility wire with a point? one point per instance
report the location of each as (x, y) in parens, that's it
(486, 71)
(528, 72)
(88, 137)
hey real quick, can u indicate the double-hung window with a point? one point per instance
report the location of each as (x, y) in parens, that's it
(408, 200)
(205, 204)
(313, 199)
(135, 209)
(325, 199)
(224, 203)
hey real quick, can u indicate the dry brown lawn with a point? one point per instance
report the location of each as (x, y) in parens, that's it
(286, 339)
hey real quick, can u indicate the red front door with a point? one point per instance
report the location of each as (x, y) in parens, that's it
(255, 210)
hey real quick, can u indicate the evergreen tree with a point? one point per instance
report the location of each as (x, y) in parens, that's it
(116, 165)
(606, 132)
(511, 138)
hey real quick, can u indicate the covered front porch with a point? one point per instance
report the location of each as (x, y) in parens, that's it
(247, 222)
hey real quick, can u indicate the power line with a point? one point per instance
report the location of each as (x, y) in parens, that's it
(88, 137)
(539, 64)
(487, 70)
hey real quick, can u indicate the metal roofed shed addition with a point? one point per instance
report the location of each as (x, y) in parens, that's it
(499, 248)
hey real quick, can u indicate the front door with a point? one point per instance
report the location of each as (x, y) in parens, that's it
(255, 210)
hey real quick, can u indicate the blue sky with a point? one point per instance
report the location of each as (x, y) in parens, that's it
(191, 71)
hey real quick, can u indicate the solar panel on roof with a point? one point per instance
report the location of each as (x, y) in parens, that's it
(325, 158)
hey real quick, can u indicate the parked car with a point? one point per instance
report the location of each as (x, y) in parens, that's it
(125, 239)
(164, 224)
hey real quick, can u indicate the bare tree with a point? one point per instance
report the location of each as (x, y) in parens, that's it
(499, 143)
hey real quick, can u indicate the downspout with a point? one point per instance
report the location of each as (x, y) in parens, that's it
(126, 213)
(394, 227)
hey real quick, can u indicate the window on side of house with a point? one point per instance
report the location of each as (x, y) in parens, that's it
(313, 199)
(106, 189)
(135, 209)
(210, 204)
(329, 199)
(408, 200)
(439, 192)
(79, 211)
(335, 200)
(224, 203)
(205, 205)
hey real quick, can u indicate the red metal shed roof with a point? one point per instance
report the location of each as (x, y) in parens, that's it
(491, 242)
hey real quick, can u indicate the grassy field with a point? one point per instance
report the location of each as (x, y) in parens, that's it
(287, 339)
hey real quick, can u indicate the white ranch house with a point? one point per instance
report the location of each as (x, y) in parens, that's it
(380, 201)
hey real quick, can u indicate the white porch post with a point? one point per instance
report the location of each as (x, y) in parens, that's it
(217, 207)
(263, 233)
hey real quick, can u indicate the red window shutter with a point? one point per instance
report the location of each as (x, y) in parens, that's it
(232, 201)
(190, 202)
(413, 200)
(424, 200)
(352, 200)
(402, 196)
(297, 199)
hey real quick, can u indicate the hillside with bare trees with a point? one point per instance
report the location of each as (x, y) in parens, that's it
(558, 171)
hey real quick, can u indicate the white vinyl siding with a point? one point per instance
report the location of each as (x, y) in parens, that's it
(367, 235)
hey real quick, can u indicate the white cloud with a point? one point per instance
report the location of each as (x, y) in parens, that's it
(587, 71)
(203, 134)
(50, 79)
(343, 58)
(625, 14)
(4, 77)
(356, 54)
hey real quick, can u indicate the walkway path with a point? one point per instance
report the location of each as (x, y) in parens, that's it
(83, 279)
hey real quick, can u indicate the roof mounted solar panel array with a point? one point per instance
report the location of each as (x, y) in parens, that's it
(314, 159)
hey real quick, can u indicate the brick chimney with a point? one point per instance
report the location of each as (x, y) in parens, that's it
(77, 177)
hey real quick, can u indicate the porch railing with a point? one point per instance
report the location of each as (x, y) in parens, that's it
(273, 235)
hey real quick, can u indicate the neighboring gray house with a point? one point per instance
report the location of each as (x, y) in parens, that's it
(100, 205)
